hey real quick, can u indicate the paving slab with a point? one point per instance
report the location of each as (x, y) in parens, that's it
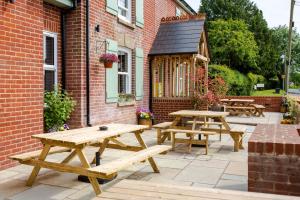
(237, 168)
(66, 180)
(44, 192)
(232, 185)
(207, 175)
(222, 164)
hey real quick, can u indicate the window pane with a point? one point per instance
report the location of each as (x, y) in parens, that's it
(123, 3)
(122, 83)
(49, 80)
(49, 51)
(123, 61)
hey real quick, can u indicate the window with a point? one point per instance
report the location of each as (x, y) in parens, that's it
(178, 12)
(50, 60)
(124, 71)
(125, 10)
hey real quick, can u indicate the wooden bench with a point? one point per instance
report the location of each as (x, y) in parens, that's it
(236, 110)
(112, 168)
(105, 171)
(191, 140)
(237, 133)
(259, 110)
(162, 134)
(208, 124)
(35, 154)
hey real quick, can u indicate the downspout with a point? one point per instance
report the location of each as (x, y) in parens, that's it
(150, 84)
(63, 47)
(87, 47)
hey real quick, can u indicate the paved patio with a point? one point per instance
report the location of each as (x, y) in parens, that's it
(222, 168)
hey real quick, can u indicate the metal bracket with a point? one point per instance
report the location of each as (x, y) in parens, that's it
(100, 44)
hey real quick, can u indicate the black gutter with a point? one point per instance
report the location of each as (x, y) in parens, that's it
(63, 47)
(87, 59)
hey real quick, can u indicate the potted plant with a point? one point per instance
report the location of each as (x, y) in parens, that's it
(145, 117)
(108, 59)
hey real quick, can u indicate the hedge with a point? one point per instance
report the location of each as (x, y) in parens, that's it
(238, 83)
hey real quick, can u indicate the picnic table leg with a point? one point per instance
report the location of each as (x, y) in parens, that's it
(86, 164)
(37, 168)
(69, 157)
(144, 146)
(101, 149)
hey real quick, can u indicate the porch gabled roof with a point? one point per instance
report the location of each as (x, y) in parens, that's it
(178, 37)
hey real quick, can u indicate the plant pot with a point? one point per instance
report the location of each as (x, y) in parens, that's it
(146, 122)
(108, 64)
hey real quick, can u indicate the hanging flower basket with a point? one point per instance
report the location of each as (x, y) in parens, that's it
(108, 59)
(108, 64)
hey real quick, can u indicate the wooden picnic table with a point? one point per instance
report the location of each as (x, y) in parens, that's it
(239, 106)
(203, 117)
(237, 102)
(76, 140)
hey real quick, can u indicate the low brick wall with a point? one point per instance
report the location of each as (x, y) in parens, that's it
(274, 159)
(161, 107)
(272, 104)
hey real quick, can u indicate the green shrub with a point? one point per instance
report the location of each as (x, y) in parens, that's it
(238, 83)
(58, 108)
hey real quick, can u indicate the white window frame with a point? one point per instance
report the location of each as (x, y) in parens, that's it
(128, 10)
(178, 12)
(129, 73)
(50, 67)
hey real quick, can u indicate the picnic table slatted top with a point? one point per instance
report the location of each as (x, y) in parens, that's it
(196, 113)
(90, 134)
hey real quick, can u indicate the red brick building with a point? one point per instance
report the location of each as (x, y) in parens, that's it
(43, 43)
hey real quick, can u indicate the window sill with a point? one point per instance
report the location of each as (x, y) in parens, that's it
(129, 25)
(124, 104)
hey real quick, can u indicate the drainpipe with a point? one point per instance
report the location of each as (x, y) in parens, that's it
(63, 47)
(87, 47)
(150, 84)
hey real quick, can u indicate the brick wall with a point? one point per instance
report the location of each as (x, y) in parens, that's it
(102, 112)
(274, 159)
(161, 107)
(21, 73)
(272, 104)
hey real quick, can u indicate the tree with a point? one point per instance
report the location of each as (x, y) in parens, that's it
(233, 44)
(248, 12)
(280, 38)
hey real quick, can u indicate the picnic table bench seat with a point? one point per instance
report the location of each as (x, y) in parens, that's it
(236, 110)
(259, 110)
(220, 124)
(162, 134)
(35, 154)
(191, 141)
(111, 168)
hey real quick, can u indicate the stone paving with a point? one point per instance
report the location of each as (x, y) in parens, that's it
(222, 168)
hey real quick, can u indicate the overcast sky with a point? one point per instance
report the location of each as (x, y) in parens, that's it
(276, 12)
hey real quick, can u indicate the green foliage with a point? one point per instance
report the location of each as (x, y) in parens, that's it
(238, 83)
(248, 12)
(280, 36)
(233, 44)
(255, 78)
(58, 108)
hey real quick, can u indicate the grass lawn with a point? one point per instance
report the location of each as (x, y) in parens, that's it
(267, 93)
